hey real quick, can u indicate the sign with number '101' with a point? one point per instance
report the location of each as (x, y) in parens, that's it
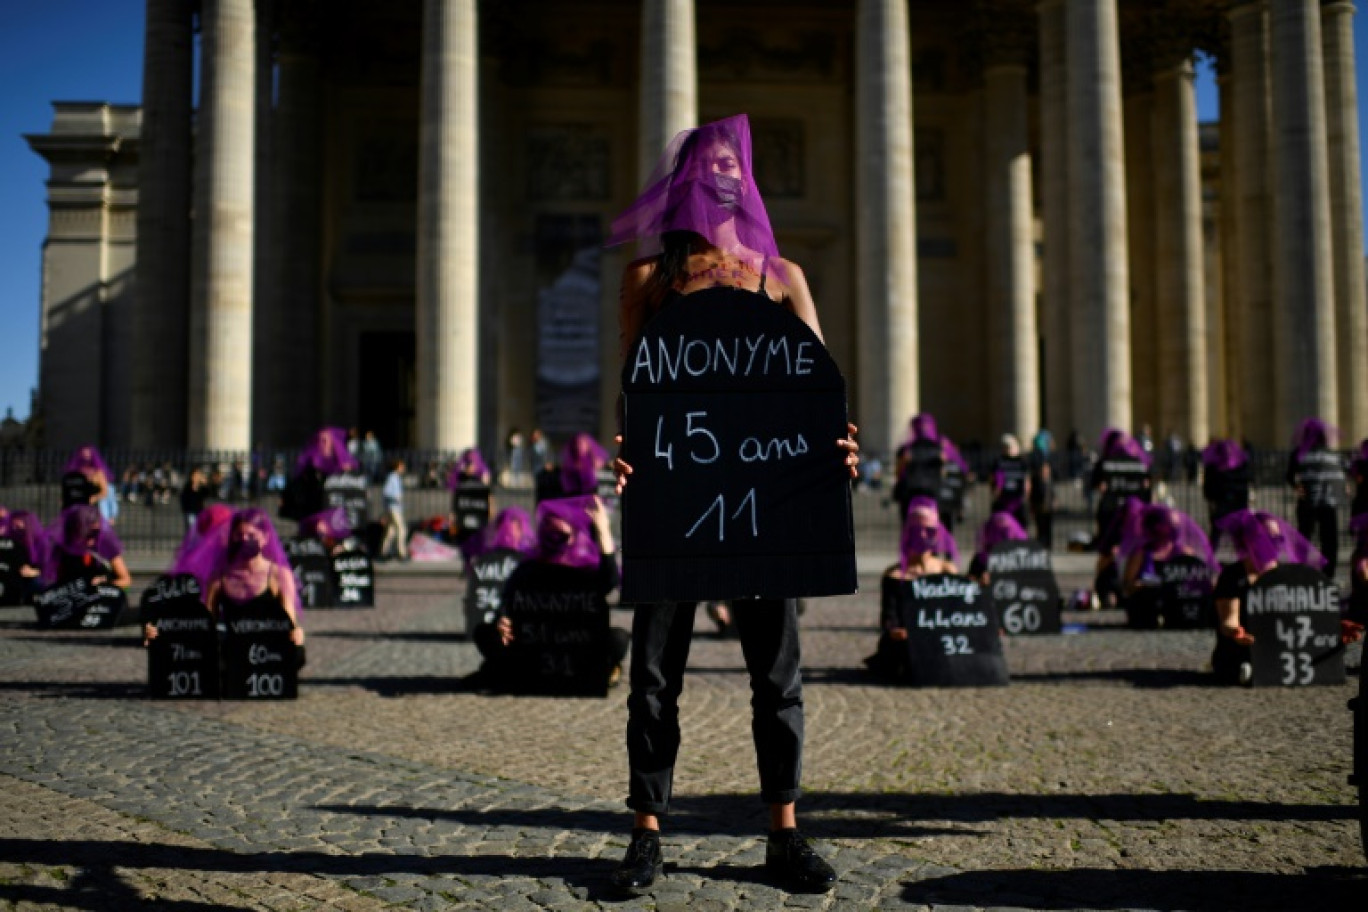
(1293, 613)
(732, 413)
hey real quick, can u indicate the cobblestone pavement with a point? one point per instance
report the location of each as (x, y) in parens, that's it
(1108, 776)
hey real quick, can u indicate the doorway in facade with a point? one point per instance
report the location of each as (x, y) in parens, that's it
(388, 387)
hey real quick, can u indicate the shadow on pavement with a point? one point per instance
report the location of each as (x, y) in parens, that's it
(81, 690)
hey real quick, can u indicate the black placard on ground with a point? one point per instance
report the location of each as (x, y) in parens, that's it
(353, 579)
(1185, 593)
(952, 632)
(1024, 590)
(183, 659)
(11, 582)
(560, 633)
(485, 586)
(470, 503)
(313, 572)
(1293, 613)
(259, 661)
(732, 412)
(348, 491)
(80, 604)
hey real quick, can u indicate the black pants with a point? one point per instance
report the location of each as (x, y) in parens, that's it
(1044, 523)
(661, 634)
(1322, 517)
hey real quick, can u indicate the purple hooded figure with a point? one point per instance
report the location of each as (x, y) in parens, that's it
(81, 540)
(511, 529)
(922, 426)
(565, 533)
(1000, 527)
(470, 466)
(1162, 532)
(328, 525)
(327, 453)
(1263, 540)
(87, 460)
(30, 539)
(581, 459)
(1314, 434)
(1117, 444)
(922, 532)
(1224, 455)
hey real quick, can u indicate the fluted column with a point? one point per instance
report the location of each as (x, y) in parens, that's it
(448, 227)
(1054, 214)
(160, 306)
(1304, 312)
(887, 223)
(1231, 422)
(669, 78)
(1346, 212)
(1097, 220)
(1183, 385)
(1015, 379)
(1140, 240)
(221, 369)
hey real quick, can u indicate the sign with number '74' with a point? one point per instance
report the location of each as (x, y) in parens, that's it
(732, 413)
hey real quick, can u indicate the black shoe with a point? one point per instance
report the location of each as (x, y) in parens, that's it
(641, 865)
(792, 858)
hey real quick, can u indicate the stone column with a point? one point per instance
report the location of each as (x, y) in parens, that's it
(1346, 213)
(1015, 380)
(159, 401)
(886, 246)
(1097, 220)
(669, 78)
(221, 367)
(269, 399)
(1181, 298)
(1303, 262)
(1231, 423)
(1138, 119)
(448, 227)
(1054, 214)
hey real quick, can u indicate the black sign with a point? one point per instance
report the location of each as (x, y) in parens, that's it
(79, 603)
(732, 412)
(1023, 586)
(353, 579)
(607, 489)
(77, 489)
(11, 581)
(348, 491)
(1293, 613)
(182, 660)
(485, 586)
(470, 503)
(1185, 593)
(560, 632)
(313, 572)
(952, 632)
(259, 661)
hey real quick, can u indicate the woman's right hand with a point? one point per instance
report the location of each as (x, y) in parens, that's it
(620, 468)
(149, 634)
(505, 628)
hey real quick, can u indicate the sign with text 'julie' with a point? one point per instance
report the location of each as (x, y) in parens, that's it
(732, 411)
(1022, 582)
(1293, 613)
(183, 658)
(952, 632)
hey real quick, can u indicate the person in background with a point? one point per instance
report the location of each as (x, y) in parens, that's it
(1316, 472)
(515, 460)
(326, 455)
(331, 528)
(211, 523)
(396, 531)
(32, 548)
(581, 459)
(540, 449)
(469, 468)
(1225, 483)
(1000, 527)
(85, 478)
(1011, 480)
(372, 457)
(1154, 534)
(85, 547)
(1042, 500)
(193, 496)
(1107, 575)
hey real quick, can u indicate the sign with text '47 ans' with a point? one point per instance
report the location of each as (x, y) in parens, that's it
(732, 411)
(1293, 613)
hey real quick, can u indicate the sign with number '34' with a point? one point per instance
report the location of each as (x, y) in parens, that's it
(732, 413)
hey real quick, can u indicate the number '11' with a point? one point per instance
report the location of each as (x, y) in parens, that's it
(719, 506)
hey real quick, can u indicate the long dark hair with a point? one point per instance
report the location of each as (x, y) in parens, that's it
(671, 265)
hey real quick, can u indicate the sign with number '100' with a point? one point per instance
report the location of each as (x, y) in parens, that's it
(1293, 613)
(732, 413)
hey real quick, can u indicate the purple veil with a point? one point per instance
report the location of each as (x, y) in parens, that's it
(512, 528)
(1156, 526)
(1262, 538)
(1000, 527)
(704, 184)
(470, 464)
(922, 426)
(28, 534)
(211, 519)
(581, 458)
(578, 549)
(71, 535)
(331, 523)
(87, 459)
(1314, 434)
(1117, 444)
(214, 556)
(327, 453)
(922, 531)
(1112, 536)
(1224, 455)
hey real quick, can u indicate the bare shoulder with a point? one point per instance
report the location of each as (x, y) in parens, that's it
(793, 290)
(635, 273)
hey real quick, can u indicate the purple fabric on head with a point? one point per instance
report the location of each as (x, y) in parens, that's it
(212, 520)
(470, 465)
(1314, 434)
(29, 536)
(512, 529)
(71, 535)
(1117, 444)
(209, 561)
(331, 523)
(327, 453)
(581, 458)
(1261, 539)
(87, 459)
(1224, 455)
(578, 547)
(704, 184)
(922, 532)
(1000, 527)
(1111, 537)
(922, 426)
(1156, 527)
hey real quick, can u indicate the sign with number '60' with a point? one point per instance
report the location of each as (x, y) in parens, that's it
(732, 413)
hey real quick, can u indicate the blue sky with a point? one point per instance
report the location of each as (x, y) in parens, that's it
(91, 50)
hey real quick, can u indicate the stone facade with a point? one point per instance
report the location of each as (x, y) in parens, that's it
(1005, 210)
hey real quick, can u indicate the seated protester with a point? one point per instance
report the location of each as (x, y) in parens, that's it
(1262, 542)
(580, 461)
(330, 527)
(1154, 534)
(326, 455)
(85, 547)
(1225, 483)
(1011, 481)
(85, 478)
(31, 549)
(575, 544)
(1000, 527)
(926, 548)
(1107, 576)
(511, 529)
(243, 566)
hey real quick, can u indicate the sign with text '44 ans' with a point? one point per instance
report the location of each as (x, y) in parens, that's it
(732, 410)
(952, 632)
(1293, 613)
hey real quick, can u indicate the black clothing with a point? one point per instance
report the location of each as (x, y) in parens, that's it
(1226, 490)
(921, 475)
(1320, 524)
(304, 495)
(77, 489)
(1122, 477)
(1318, 477)
(1358, 470)
(72, 567)
(192, 498)
(1228, 656)
(1009, 481)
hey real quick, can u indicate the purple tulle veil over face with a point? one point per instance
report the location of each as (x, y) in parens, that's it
(704, 183)
(225, 548)
(87, 460)
(470, 466)
(1156, 527)
(512, 529)
(922, 532)
(1314, 434)
(1224, 455)
(1117, 444)
(1262, 539)
(1000, 527)
(565, 532)
(581, 458)
(28, 534)
(78, 531)
(327, 453)
(327, 524)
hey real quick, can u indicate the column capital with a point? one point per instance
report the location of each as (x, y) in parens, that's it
(1338, 6)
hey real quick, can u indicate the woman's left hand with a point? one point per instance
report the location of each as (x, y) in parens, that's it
(847, 443)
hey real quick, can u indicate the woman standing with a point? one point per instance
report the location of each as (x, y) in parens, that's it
(704, 227)
(1316, 472)
(1225, 483)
